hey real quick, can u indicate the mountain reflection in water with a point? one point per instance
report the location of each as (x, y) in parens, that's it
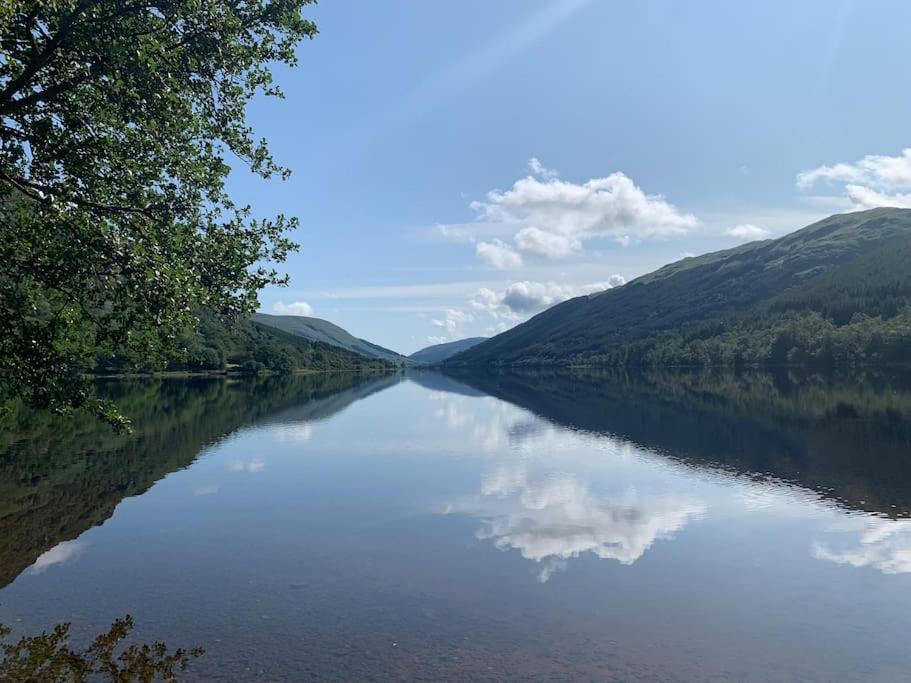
(692, 525)
(62, 475)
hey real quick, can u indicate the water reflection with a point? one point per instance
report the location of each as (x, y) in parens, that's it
(882, 544)
(711, 525)
(846, 438)
(60, 553)
(62, 476)
(552, 520)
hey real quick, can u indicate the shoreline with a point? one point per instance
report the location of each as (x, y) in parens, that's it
(186, 374)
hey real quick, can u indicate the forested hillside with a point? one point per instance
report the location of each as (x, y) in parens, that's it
(836, 292)
(248, 346)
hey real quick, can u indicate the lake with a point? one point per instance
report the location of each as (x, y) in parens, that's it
(667, 526)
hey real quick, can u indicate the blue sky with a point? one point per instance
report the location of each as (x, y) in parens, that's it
(458, 166)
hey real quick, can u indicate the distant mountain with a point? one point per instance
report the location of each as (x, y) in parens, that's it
(440, 352)
(318, 330)
(835, 292)
(247, 346)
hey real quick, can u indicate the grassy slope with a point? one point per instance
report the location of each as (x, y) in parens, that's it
(317, 330)
(860, 254)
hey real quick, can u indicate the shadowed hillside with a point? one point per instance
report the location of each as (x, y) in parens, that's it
(437, 353)
(836, 292)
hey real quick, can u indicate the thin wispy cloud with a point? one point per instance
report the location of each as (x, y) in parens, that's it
(451, 323)
(873, 181)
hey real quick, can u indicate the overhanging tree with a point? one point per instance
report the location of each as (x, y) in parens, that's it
(117, 122)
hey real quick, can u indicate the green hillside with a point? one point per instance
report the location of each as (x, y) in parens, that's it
(835, 292)
(317, 330)
(437, 353)
(249, 346)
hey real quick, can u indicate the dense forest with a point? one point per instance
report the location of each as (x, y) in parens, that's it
(117, 124)
(835, 293)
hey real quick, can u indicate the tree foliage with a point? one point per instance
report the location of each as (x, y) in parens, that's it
(48, 658)
(118, 119)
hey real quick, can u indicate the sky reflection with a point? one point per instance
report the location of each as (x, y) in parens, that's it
(883, 544)
(532, 523)
(550, 520)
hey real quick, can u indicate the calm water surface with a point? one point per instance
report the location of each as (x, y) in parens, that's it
(660, 527)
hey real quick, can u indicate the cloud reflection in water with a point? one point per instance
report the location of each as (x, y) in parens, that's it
(884, 544)
(552, 520)
(60, 553)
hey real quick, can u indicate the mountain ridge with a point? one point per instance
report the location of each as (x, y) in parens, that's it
(319, 330)
(437, 353)
(704, 310)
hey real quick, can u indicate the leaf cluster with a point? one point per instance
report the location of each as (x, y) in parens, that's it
(48, 658)
(119, 124)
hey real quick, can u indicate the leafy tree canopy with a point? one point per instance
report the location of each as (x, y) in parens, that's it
(47, 657)
(116, 120)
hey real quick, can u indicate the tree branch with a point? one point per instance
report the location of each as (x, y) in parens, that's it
(46, 55)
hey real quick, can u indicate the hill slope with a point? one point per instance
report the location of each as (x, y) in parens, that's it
(318, 330)
(248, 346)
(440, 352)
(835, 291)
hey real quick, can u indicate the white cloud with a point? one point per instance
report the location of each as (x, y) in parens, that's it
(747, 232)
(540, 170)
(427, 290)
(523, 298)
(296, 308)
(548, 244)
(555, 519)
(452, 323)
(207, 490)
(526, 297)
(868, 198)
(553, 217)
(498, 254)
(59, 554)
(884, 544)
(875, 180)
(612, 281)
